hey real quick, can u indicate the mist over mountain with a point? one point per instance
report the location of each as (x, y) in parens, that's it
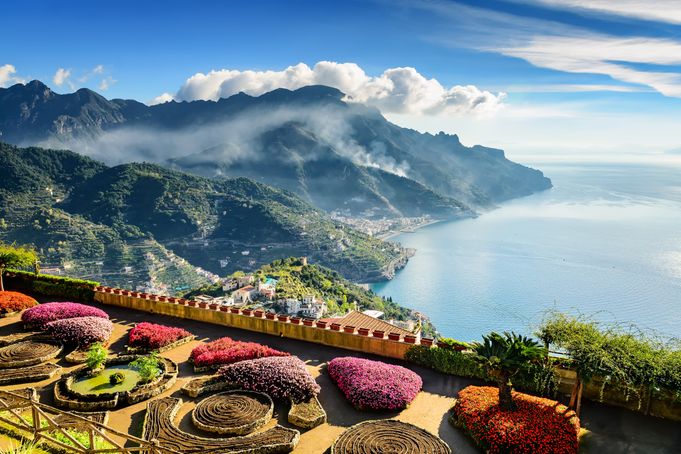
(334, 153)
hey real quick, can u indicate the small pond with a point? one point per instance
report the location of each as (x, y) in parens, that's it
(99, 384)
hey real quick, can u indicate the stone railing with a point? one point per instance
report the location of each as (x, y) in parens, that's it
(392, 345)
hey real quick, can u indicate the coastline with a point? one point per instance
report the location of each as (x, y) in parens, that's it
(392, 233)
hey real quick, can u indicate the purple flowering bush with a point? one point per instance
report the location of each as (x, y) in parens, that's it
(81, 331)
(39, 316)
(374, 385)
(281, 377)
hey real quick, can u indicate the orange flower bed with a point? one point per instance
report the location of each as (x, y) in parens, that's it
(15, 302)
(537, 426)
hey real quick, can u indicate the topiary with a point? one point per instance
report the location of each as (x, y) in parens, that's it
(116, 378)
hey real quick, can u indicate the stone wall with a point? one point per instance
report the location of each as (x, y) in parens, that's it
(288, 327)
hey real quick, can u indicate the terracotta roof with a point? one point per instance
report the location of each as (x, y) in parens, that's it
(360, 320)
(248, 288)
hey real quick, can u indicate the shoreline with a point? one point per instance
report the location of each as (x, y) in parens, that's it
(392, 233)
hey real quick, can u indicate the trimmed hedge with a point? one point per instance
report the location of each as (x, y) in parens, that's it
(49, 285)
(535, 378)
(11, 302)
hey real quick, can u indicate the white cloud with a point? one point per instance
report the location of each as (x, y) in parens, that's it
(99, 69)
(397, 90)
(160, 99)
(573, 88)
(7, 75)
(61, 76)
(659, 10)
(107, 82)
(607, 55)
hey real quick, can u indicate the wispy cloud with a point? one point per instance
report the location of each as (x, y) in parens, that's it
(61, 76)
(8, 76)
(107, 82)
(401, 89)
(659, 10)
(573, 88)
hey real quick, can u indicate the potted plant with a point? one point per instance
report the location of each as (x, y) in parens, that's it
(308, 322)
(246, 312)
(295, 320)
(213, 306)
(321, 324)
(117, 291)
(258, 313)
(426, 342)
(125, 292)
(409, 339)
(335, 327)
(191, 303)
(224, 308)
(162, 298)
(282, 318)
(270, 315)
(378, 333)
(394, 336)
(153, 297)
(182, 302)
(203, 304)
(349, 329)
(234, 310)
(363, 331)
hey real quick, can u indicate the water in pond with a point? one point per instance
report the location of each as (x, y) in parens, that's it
(99, 384)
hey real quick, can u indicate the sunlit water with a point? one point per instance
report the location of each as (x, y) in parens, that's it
(99, 384)
(605, 241)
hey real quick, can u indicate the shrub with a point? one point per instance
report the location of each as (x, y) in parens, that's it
(81, 331)
(15, 302)
(43, 314)
(279, 377)
(96, 356)
(46, 284)
(152, 336)
(537, 426)
(149, 367)
(227, 351)
(374, 385)
(448, 342)
(116, 378)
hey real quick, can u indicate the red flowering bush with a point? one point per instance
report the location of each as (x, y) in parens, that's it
(227, 351)
(279, 377)
(537, 426)
(151, 336)
(15, 302)
(39, 316)
(81, 331)
(374, 385)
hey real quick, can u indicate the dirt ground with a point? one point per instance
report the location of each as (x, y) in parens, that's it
(611, 429)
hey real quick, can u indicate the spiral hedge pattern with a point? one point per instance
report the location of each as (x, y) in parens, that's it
(388, 436)
(233, 412)
(27, 353)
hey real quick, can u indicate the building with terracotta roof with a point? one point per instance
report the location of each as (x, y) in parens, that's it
(360, 320)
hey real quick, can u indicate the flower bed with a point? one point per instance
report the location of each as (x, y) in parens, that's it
(538, 425)
(374, 385)
(81, 331)
(227, 351)
(150, 336)
(11, 302)
(38, 317)
(279, 377)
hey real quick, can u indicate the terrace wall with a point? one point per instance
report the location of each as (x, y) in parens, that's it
(287, 329)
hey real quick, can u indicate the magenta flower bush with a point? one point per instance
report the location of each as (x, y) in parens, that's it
(281, 377)
(81, 331)
(374, 385)
(152, 336)
(39, 316)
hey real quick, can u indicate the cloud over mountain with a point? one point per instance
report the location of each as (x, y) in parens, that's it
(396, 90)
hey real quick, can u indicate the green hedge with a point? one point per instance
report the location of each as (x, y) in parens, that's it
(534, 378)
(49, 285)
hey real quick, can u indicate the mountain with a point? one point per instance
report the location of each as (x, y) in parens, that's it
(112, 222)
(339, 155)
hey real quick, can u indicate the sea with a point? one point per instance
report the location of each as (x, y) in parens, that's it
(603, 244)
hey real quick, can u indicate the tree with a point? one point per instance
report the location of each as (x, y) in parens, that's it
(96, 356)
(12, 256)
(503, 356)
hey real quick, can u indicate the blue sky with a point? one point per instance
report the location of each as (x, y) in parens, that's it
(536, 77)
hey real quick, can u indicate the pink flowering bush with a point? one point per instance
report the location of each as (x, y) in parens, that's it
(39, 316)
(81, 331)
(374, 385)
(279, 377)
(151, 336)
(227, 351)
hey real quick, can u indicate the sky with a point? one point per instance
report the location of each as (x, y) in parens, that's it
(542, 79)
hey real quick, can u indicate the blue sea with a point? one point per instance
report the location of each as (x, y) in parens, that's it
(605, 242)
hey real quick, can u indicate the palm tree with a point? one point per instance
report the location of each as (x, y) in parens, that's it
(502, 356)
